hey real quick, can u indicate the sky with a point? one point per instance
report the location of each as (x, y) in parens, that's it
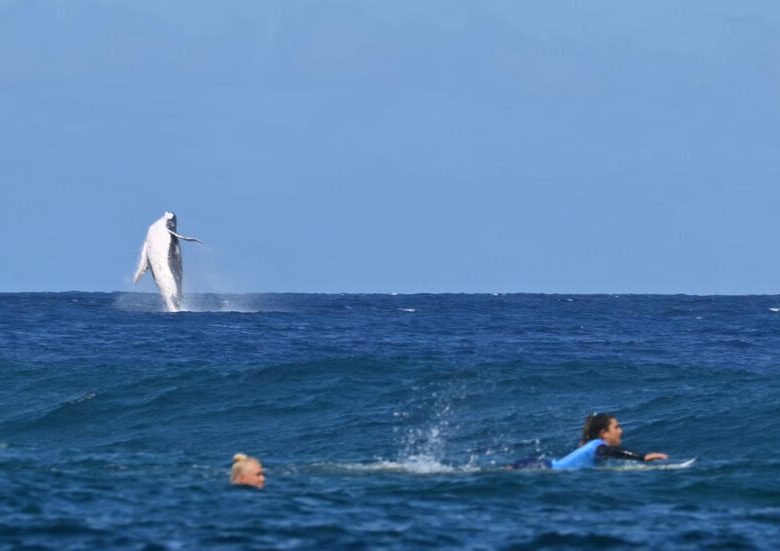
(405, 146)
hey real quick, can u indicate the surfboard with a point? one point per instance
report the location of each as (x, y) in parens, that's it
(653, 466)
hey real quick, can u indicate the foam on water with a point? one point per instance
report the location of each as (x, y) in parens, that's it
(239, 304)
(414, 465)
(197, 303)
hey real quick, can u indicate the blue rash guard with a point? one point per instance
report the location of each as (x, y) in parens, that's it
(585, 457)
(590, 453)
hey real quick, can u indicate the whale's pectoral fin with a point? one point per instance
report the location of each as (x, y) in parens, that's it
(184, 237)
(143, 265)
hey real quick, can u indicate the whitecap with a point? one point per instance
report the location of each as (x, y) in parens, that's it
(83, 398)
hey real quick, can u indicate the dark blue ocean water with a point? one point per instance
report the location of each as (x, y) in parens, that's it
(383, 421)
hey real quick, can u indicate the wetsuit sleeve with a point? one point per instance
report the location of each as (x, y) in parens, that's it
(613, 452)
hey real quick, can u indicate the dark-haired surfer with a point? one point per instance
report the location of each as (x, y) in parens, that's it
(601, 439)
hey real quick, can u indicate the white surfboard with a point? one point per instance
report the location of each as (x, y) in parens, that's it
(631, 466)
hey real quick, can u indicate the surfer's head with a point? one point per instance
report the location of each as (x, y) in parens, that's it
(603, 426)
(247, 471)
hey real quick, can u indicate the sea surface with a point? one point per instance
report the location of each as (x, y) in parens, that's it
(385, 421)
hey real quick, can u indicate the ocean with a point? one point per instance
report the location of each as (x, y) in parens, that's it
(385, 421)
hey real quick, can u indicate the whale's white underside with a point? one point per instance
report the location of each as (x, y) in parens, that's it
(161, 254)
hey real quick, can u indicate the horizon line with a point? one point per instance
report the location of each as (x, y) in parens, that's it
(409, 293)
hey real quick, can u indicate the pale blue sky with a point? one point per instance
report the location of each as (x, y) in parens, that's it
(344, 146)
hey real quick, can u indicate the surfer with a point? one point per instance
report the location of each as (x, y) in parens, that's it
(247, 471)
(601, 440)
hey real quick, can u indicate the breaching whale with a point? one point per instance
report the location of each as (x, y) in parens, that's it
(162, 255)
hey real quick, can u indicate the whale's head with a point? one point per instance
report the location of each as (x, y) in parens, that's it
(170, 220)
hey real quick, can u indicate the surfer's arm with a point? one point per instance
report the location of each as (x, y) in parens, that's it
(656, 456)
(614, 452)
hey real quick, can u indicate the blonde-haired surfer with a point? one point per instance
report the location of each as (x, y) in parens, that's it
(247, 471)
